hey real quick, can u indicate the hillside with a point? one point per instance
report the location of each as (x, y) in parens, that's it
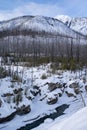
(78, 24)
(35, 24)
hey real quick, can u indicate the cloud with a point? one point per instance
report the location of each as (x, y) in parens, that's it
(5, 15)
(32, 9)
(63, 7)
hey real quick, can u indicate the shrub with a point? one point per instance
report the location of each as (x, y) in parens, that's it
(69, 65)
(16, 77)
(26, 91)
(43, 76)
(84, 80)
(73, 65)
(17, 98)
(8, 99)
(0, 103)
(42, 60)
(54, 67)
(3, 72)
(65, 66)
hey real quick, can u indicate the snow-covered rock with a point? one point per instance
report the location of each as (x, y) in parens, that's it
(52, 98)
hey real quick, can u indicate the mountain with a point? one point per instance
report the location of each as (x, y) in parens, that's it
(36, 31)
(35, 24)
(78, 24)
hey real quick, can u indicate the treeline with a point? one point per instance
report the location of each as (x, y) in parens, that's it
(36, 48)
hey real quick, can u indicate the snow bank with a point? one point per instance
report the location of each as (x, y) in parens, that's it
(78, 121)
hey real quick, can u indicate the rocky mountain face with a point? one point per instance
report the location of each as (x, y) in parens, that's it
(78, 24)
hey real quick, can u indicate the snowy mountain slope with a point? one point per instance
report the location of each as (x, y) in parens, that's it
(38, 24)
(77, 24)
(64, 18)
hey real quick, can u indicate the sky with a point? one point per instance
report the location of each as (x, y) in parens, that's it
(14, 8)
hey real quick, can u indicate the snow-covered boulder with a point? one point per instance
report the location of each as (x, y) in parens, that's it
(52, 86)
(70, 94)
(77, 90)
(35, 92)
(52, 98)
(74, 85)
(23, 110)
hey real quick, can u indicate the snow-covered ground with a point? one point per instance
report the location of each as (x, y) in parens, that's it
(77, 121)
(39, 102)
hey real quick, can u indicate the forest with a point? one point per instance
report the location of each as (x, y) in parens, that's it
(36, 48)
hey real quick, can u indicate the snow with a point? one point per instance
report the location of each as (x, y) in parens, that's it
(48, 120)
(57, 123)
(77, 121)
(40, 108)
(78, 24)
(38, 23)
(64, 18)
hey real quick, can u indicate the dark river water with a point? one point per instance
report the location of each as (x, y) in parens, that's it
(59, 111)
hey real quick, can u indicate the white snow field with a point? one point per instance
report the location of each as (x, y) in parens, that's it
(38, 103)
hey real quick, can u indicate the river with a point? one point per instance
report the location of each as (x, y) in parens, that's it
(59, 111)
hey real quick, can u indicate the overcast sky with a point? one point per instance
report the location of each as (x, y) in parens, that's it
(13, 8)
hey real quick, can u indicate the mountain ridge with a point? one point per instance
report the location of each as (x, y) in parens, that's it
(78, 24)
(38, 23)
